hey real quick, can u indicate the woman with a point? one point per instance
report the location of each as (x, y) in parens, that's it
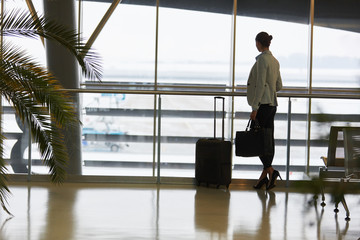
(263, 83)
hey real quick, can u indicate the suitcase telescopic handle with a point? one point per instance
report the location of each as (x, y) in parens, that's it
(223, 116)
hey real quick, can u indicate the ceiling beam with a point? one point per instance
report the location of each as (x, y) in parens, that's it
(101, 25)
(34, 16)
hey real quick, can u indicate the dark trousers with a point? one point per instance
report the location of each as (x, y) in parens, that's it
(265, 116)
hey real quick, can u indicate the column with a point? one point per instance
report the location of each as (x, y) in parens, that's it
(65, 67)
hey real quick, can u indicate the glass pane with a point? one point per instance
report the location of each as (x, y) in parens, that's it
(249, 167)
(117, 134)
(194, 46)
(336, 54)
(14, 135)
(126, 43)
(185, 119)
(17, 135)
(298, 138)
(243, 168)
(33, 47)
(323, 118)
(336, 58)
(16, 145)
(276, 21)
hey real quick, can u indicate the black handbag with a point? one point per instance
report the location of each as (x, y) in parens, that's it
(254, 141)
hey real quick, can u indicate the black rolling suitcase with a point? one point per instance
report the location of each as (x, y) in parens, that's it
(213, 157)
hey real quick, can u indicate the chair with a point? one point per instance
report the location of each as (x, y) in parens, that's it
(344, 169)
(352, 151)
(334, 166)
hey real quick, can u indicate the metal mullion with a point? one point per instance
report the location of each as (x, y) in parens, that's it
(288, 142)
(312, 4)
(155, 84)
(233, 69)
(80, 20)
(34, 16)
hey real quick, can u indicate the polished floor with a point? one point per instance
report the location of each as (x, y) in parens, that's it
(83, 211)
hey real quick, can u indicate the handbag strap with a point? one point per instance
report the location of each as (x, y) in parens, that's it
(248, 126)
(256, 125)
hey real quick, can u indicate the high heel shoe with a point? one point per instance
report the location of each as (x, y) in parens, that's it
(274, 176)
(263, 181)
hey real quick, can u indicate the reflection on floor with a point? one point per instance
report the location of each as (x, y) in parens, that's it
(167, 212)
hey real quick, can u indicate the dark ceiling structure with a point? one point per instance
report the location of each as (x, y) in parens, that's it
(339, 14)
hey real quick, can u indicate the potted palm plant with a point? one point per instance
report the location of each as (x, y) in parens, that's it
(37, 97)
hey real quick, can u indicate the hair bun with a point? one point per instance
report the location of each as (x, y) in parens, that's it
(264, 38)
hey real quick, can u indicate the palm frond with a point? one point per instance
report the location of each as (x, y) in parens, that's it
(38, 101)
(18, 23)
(36, 95)
(30, 80)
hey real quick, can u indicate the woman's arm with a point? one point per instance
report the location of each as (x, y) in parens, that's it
(260, 82)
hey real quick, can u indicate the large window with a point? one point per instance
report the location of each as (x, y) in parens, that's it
(195, 50)
(336, 58)
(118, 128)
(17, 136)
(336, 62)
(189, 47)
(194, 46)
(290, 46)
(117, 134)
(293, 60)
(127, 41)
(288, 24)
(336, 55)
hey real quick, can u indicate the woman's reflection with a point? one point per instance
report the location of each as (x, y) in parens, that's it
(263, 231)
(268, 200)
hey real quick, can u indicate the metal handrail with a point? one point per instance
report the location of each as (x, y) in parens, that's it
(355, 95)
(158, 86)
(238, 87)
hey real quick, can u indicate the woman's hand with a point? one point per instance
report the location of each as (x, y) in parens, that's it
(253, 115)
